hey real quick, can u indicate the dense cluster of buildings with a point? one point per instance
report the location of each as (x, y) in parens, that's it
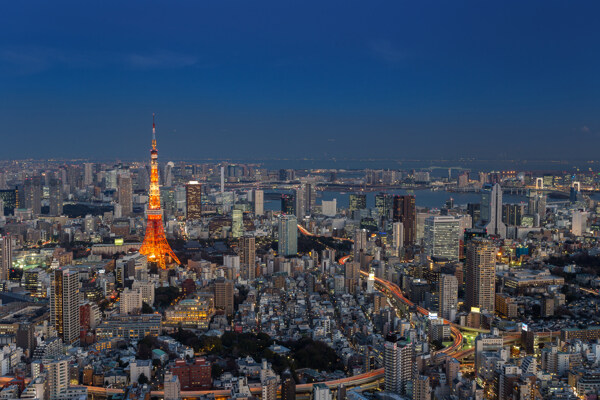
(103, 266)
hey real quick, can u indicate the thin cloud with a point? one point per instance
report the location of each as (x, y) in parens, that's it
(29, 60)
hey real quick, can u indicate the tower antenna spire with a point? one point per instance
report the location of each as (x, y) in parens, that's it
(153, 132)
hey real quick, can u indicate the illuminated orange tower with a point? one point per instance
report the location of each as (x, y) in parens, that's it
(155, 244)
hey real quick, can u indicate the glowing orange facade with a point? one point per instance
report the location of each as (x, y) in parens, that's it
(155, 244)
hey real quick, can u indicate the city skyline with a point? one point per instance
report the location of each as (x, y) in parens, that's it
(426, 83)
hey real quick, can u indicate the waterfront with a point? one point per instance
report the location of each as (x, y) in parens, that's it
(426, 198)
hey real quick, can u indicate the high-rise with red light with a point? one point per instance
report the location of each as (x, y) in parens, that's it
(155, 244)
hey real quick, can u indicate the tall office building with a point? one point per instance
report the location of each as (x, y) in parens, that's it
(512, 213)
(224, 295)
(125, 192)
(193, 200)
(300, 197)
(288, 235)
(398, 365)
(247, 248)
(360, 243)
(537, 206)
(351, 276)
(480, 274)
(305, 197)
(288, 204)
(56, 197)
(397, 236)
(6, 256)
(10, 199)
(259, 202)
(384, 202)
(88, 174)
(32, 194)
(405, 211)
(448, 292)
(442, 237)
(358, 201)
(491, 210)
(64, 305)
(237, 223)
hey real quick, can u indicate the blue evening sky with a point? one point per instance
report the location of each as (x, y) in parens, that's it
(263, 79)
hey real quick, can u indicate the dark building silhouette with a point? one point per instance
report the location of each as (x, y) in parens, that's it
(405, 211)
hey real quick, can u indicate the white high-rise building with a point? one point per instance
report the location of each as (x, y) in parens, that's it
(397, 236)
(448, 293)
(259, 202)
(491, 210)
(398, 365)
(329, 208)
(321, 392)
(64, 305)
(442, 237)
(579, 222)
(57, 376)
(172, 387)
(130, 301)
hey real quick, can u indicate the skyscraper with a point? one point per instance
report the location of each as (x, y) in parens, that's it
(224, 295)
(405, 211)
(442, 237)
(384, 202)
(6, 256)
(491, 210)
(259, 202)
(357, 201)
(64, 305)
(155, 244)
(125, 191)
(288, 204)
(360, 243)
(480, 274)
(32, 192)
(537, 206)
(193, 200)
(448, 292)
(397, 236)
(56, 197)
(397, 362)
(300, 196)
(288, 235)
(10, 199)
(237, 223)
(248, 256)
(88, 174)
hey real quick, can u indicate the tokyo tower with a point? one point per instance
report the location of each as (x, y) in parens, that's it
(155, 245)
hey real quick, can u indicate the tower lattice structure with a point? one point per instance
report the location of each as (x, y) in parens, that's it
(155, 245)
